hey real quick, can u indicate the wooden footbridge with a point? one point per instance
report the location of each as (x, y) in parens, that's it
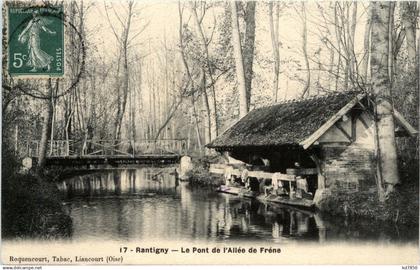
(96, 153)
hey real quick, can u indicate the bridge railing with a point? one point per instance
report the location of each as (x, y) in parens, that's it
(64, 148)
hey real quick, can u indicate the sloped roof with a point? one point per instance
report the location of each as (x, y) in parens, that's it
(284, 123)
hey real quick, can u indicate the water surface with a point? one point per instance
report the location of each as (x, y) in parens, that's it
(149, 204)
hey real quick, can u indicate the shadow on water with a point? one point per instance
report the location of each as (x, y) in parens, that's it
(149, 203)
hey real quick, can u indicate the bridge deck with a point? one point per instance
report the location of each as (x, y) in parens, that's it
(108, 152)
(115, 161)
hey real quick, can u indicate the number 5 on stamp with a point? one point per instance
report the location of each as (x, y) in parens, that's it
(36, 41)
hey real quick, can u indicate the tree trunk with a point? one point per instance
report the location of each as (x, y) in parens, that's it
(337, 29)
(53, 118)
(125, 69)
(117, 122)
(366, 43)
(353, 73)
(212, 101)
(409, 21)
(387, 152)
(305, 51)
(275, 45)
(197, 128)
(331, 76)
(46, 128)
(204, 93)
(123, 53)
(207, 123)
(240, 73)
(249, 47)
(391, 44)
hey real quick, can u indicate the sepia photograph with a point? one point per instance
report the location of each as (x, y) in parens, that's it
(210, 132)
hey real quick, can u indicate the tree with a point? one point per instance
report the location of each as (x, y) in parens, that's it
(385, 137)
(46, 125)
(209, 69)
(239, 63)
(125, 35)
(352, 65)
(305, 50)
(122, 39)
(249, 47)
(409, 21)
(366, 43)
(274, 31)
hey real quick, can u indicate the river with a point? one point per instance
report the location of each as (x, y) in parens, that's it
(149, 204)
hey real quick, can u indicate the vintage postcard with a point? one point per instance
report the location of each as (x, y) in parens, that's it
(210, 132)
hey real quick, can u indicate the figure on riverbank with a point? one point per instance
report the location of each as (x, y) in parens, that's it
(176, 174)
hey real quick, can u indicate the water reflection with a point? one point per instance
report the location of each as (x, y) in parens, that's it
(149, 203)
(122, 182)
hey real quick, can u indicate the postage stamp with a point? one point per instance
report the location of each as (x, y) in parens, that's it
(36, 41)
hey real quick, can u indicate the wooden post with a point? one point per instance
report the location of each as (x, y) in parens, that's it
(353, 127)
(290, 190)
(321, 178)
(322, 233)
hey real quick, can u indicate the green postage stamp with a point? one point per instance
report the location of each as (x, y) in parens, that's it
(36, 41)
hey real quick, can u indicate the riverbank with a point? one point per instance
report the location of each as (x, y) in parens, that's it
(31, 205)
(400, 207)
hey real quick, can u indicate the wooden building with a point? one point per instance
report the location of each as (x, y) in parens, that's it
(329, 140)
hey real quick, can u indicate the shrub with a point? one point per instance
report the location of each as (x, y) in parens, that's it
(401, 206)
(31, 207)
(200, 174)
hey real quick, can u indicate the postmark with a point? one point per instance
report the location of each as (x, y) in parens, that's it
(36, 41)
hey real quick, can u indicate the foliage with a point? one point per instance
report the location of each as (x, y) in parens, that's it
(200, 175)
(401, 206)
(406, 97)
(30, 206)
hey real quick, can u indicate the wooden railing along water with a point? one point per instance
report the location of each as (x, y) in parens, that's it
(107, 148)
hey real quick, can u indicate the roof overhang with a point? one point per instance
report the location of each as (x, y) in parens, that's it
(319, 132)
(407, 126)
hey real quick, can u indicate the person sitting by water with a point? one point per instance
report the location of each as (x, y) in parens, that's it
(281, 191)
(268, 190)
(237, 180)
(278, 188)
(176, 174)
(302, 189)
(245, 178)
(228, 176)
(292, 193)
